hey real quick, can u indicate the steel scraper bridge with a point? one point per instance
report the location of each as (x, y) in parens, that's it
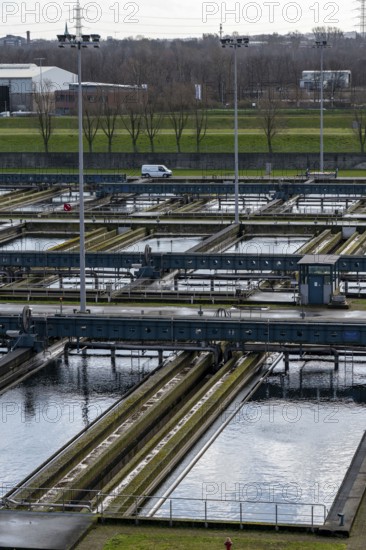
(168, 329)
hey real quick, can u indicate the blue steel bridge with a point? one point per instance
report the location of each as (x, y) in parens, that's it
(172, 260)
(176, 329)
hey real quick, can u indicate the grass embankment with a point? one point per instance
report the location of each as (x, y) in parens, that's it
(128, 537)
(65, 142)
(298, 132)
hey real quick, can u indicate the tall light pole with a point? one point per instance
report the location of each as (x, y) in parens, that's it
(235, 42)
(80, 41)
(321, 44)
(40, 59)
(362, 17)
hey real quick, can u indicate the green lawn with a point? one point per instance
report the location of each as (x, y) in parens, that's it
(166, 542)
(145, 537)
(299, 132)
(149, 538)
(213, 143)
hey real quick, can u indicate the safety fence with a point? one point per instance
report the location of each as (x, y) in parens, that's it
(205, 510)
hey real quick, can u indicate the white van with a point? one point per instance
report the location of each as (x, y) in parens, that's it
(155, 171)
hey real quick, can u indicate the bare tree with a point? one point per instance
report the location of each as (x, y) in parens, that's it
(334, 87)
(111, 109)
(269, 116)
(179, 103)
(91, 121)
(152, 118)
(44, 102)
(331, 34)
(132, 117)
(359, 126)
(200, 117)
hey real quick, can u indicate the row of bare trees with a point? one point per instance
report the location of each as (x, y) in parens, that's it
(143, 115)
(140, 112)
(269, 73)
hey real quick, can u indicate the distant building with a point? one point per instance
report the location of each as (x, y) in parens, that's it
(95, 94)
(18, 82)
(12, 40)
(310, 80)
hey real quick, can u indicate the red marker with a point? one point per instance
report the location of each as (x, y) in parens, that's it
(67, 207)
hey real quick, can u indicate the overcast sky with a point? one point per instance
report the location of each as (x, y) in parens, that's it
(184, 18)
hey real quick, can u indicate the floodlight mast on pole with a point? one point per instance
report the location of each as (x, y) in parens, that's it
(235, 42)
(40, 59)
(79, 41)
(321, 44)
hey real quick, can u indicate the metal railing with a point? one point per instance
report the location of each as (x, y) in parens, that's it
(171, 509)
(206, 510)
(43, 498)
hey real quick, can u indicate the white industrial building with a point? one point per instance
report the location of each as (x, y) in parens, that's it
(18, 82)
(310, 80)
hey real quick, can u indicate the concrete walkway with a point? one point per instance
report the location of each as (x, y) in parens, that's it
(42, 531)
(350, 495)
(357, 540)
